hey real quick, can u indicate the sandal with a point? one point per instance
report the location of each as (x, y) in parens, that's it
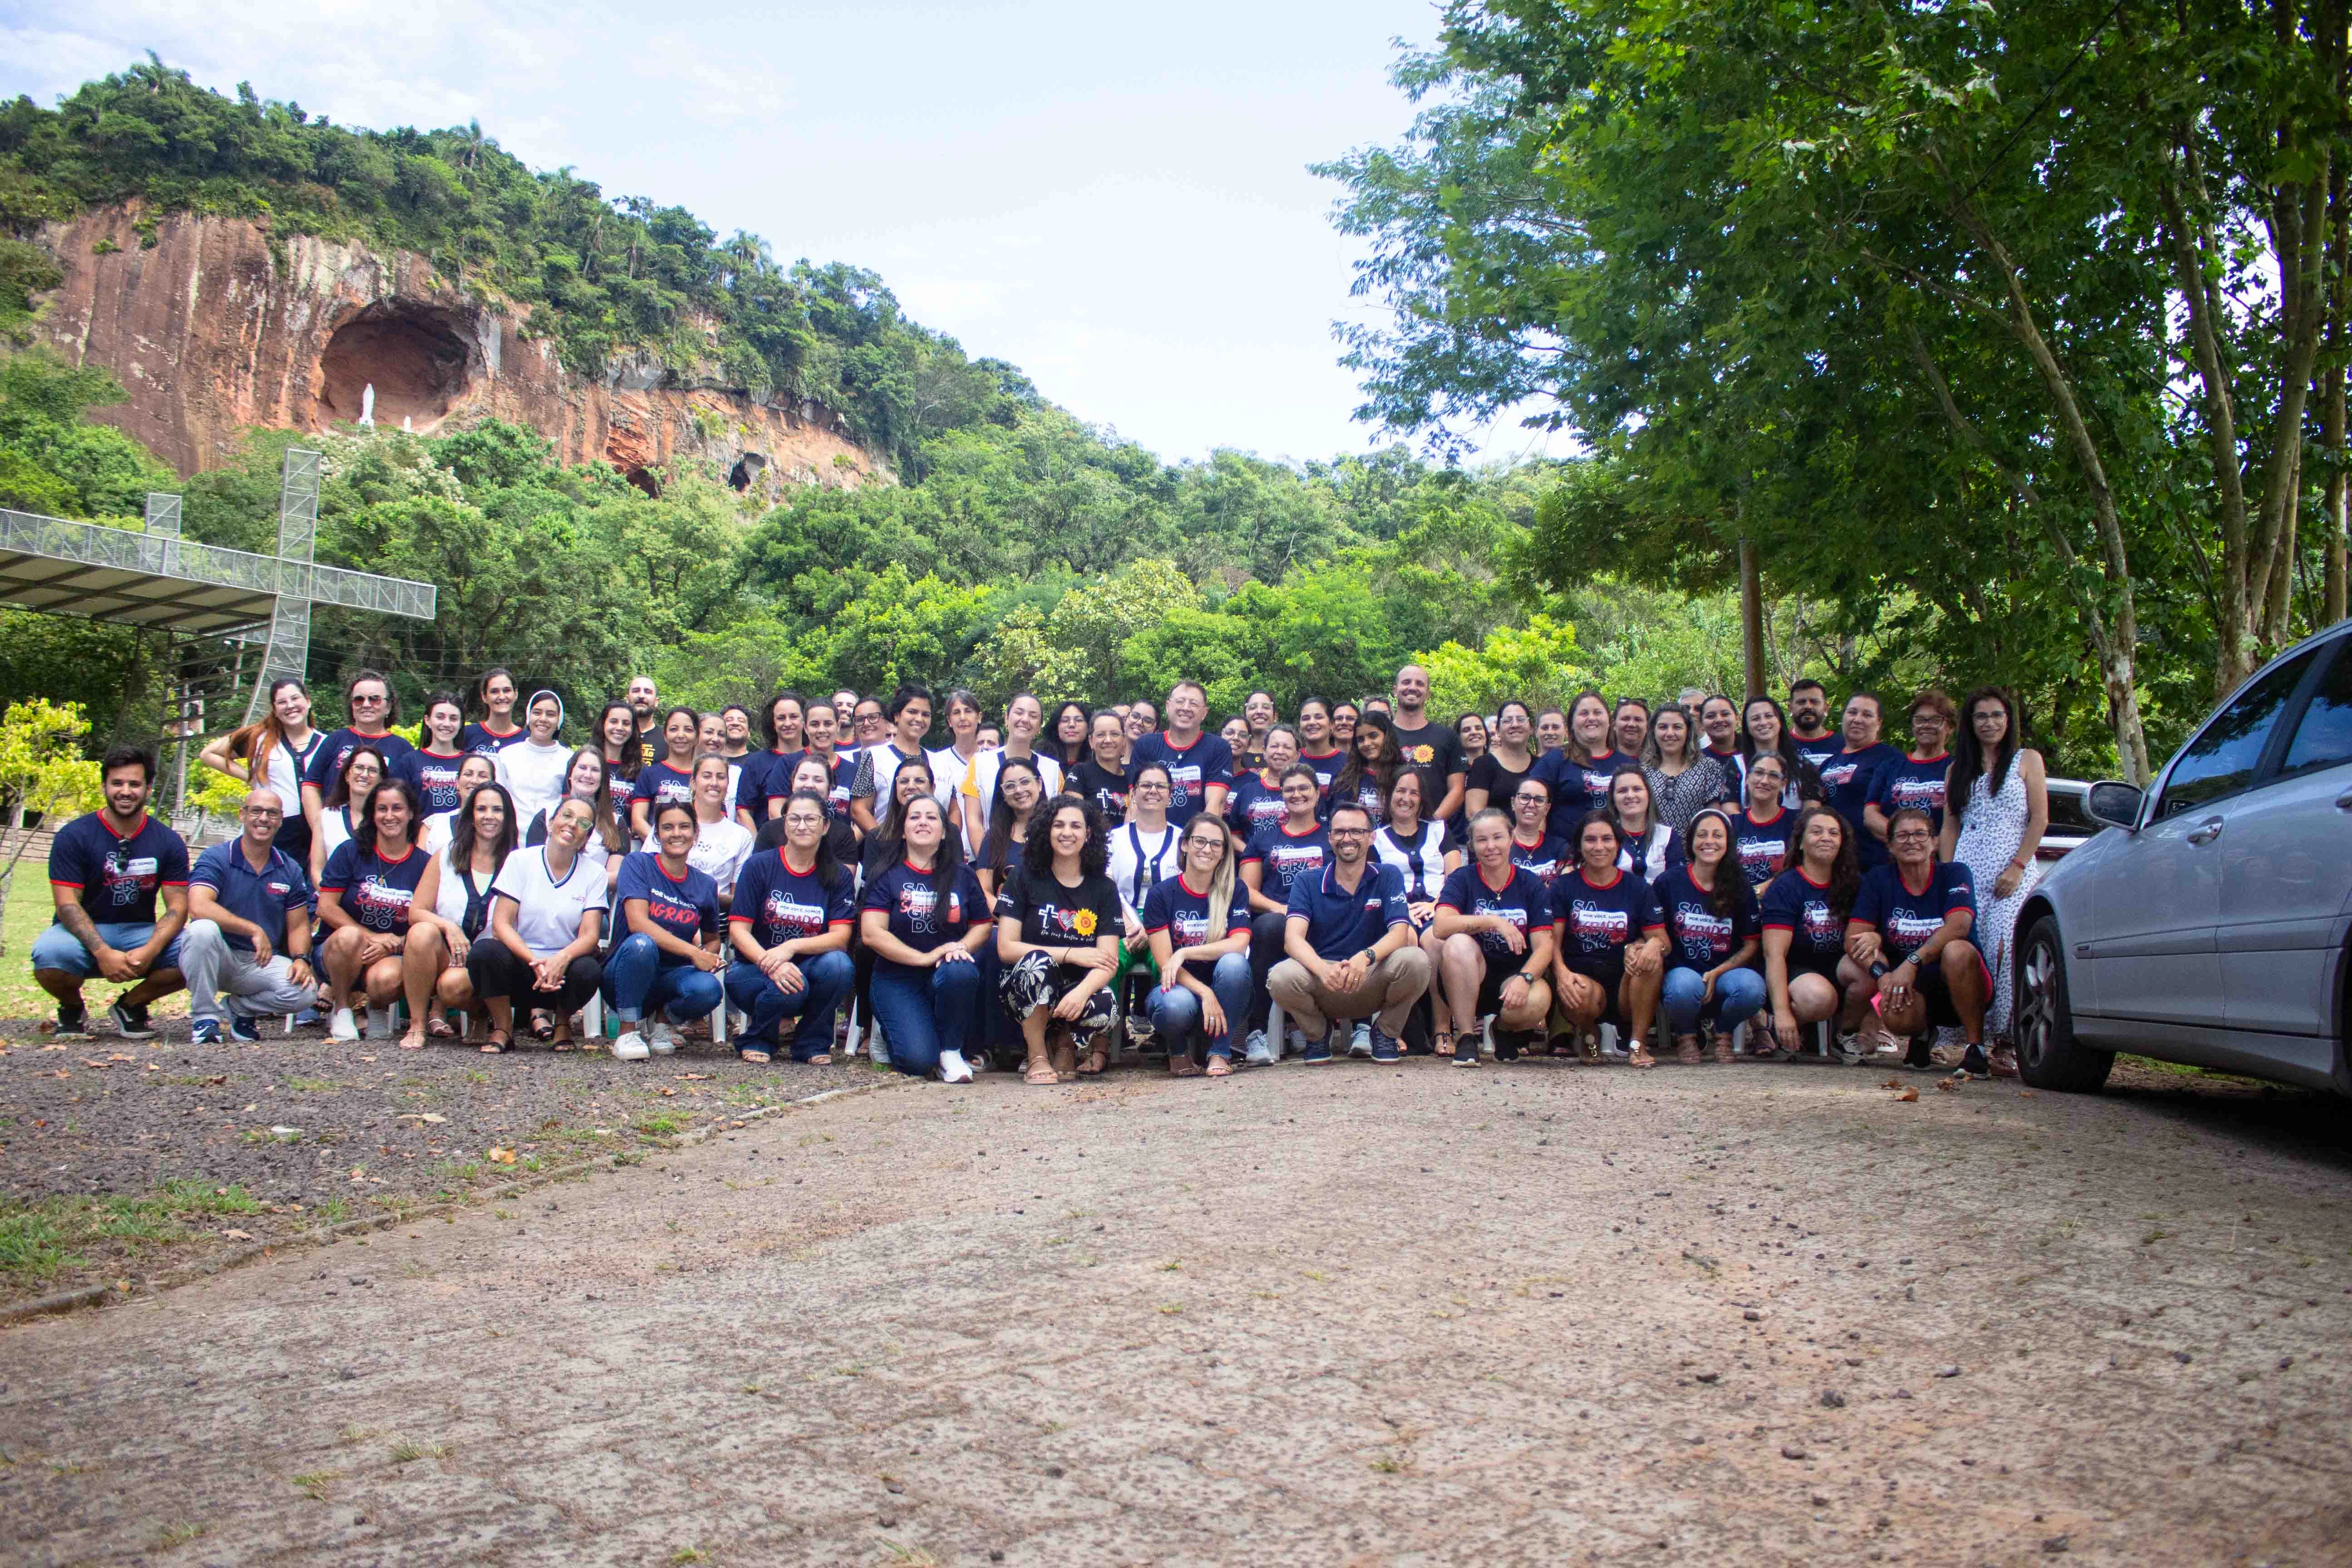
(414, 1040)
(1641, 1057)
(1686, 1050)
(1440, 1044)
(1220, 1067)
(822, 1059)
(1181, 1065)
(496, 1042)
(1064, 1055)
(755, 1056)
(1723, 1049)
(438, 1027)
(1097, 1061)
(1042, 1074)
(543, 1025)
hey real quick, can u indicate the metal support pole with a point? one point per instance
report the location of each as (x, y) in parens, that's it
(297, 540)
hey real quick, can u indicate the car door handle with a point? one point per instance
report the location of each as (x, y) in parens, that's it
(2205, 831)
(2343, 801)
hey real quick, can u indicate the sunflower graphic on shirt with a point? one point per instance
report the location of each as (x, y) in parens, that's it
(1083, 922)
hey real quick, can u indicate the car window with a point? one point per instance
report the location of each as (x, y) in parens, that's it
(2323, 736)
(2221, 759)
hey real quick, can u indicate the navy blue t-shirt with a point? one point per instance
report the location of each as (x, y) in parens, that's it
(434, 776)
(1326, 765)
(1254, 807)
(782, 905)
(686, 907)
(917, 915)
(483, 741)
(1847, 780)
(1174, 907)
(1340, 924)
(659, 783)
(328, 760)
(117, 877)
(267, 897)
(1798, 905)
(1191, 769)
(1702, 937)
(1283, 855)
(1575, 787)
(1761, 844)
(376, 891)
(1598, 921)
(1524, 900)
(1815, 754)
(1546, 861)
(777, 785)
(1914, 783)
(1904, 920)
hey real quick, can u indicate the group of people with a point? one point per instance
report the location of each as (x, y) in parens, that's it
(1511, 884)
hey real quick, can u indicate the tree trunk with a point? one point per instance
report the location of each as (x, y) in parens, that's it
(1751, 618)
(2336, 519)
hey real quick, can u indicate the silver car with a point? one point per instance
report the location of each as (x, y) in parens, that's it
(2207, 922)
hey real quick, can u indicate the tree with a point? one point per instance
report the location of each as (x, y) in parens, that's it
(1540, 663)
(43, 775)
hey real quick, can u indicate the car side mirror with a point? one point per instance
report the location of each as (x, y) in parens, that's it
(2116, 805)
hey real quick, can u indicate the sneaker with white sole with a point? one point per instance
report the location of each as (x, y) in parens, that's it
(73, 1023)
(343, 1026)
(1384, 1047)
(1848, 1048)
(1260, 1051)
(248, 1030)
(661, 1040)
(1360, 1044)
(630, 1047)
(953, 1069)
(131, 1022)
(204, 1032)
(1317, 1053)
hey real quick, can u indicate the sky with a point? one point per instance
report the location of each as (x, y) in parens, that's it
(1115, 198)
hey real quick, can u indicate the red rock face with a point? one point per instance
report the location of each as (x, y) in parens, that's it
(210, 334)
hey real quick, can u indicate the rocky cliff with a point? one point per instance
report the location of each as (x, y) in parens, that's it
(211, 327)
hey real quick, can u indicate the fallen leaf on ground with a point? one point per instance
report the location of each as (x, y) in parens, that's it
(1907, 1096)
(503, 1156)
(100, 1066)
(121, 1057)
(54, 1048)
(1950, 1083)
(237, 1236)
(693, 1075)
(1891, 1083)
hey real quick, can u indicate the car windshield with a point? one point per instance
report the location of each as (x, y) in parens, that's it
(2067, 815)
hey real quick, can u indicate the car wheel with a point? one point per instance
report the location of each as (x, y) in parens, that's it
(2048, 1055)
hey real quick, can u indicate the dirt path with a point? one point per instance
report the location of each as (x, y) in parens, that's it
(1544, 1314)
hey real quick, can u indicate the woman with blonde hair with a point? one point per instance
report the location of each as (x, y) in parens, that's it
(1200, 932)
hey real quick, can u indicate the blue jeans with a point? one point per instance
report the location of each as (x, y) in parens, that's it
(639, 978)
(58, 948)
(1176, 1011)
(829, 977)
(925, 1012)
(1739, 994)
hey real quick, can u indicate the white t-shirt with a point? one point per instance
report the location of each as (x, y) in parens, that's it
(434, 836)
(282, 770)
(334, 831)
(720, 850)
(980, 782)
(1424, 854)
(877, 766)
(533, 775)
(547, 912)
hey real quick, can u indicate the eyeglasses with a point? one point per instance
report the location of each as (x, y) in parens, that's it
(359, 698)
(1915, 836)
(263, 811)
(1155, 783)
(1351, 832)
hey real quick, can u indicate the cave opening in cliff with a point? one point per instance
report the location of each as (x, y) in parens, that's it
(747, 470)
(643, 478)
(414, 356)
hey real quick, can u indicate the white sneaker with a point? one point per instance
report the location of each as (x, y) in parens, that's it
(1360, 1044)
(953, 1069)
(662, 1041)
(630, 1047)
(343, 1026)
(1260, 1051)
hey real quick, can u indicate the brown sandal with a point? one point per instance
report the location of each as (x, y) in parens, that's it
(1097, 1062)
(1181, 1065)
(1041, 1074)
(1641, 1057)
(496, 1042)
(1440, 1044)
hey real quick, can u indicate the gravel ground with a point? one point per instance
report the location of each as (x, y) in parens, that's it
(193, 1141)
(1368, 1315)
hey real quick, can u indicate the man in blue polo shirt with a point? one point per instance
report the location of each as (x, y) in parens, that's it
(249, 930)
(106, 872)
(1351, 945)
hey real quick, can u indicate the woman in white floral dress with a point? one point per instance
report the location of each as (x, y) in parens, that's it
(1996, 808)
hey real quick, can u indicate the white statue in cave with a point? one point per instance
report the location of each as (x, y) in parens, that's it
(408, 423)
(367, 406)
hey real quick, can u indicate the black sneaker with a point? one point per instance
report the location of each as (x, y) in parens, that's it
(1974, 1065)
(1922, 1055)
(73, 1023)
(131, 1022)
